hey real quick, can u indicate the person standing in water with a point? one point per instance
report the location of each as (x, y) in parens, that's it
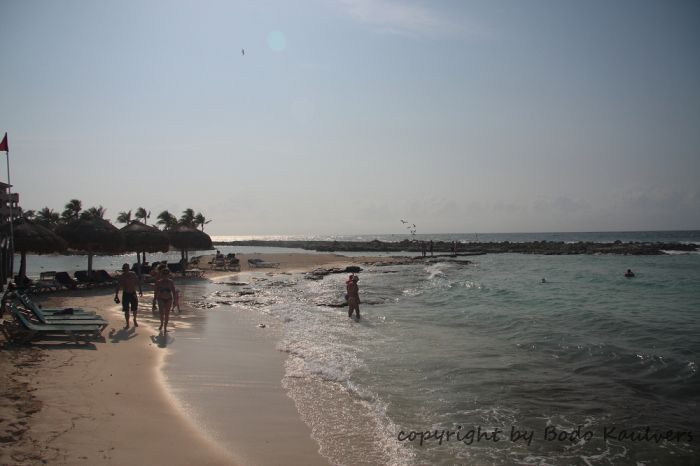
(129, 282)
(353, 296)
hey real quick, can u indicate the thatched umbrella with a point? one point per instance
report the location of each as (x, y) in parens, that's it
(187, 238)
(140, 237)
(32, 237)
(92, 235)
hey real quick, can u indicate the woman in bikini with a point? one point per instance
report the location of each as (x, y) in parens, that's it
(164, 295)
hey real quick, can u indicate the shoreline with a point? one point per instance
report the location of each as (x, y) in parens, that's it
(108, 402)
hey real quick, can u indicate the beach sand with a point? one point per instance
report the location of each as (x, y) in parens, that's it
(107, 403)
(100, 403)
(294, 262)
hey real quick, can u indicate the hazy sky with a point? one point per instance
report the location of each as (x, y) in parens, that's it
(345, 116)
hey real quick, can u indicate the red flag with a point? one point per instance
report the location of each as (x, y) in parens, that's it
(3, 144)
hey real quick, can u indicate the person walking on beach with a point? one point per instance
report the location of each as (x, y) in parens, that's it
(353, 296)
(128, 281)
(164, 295)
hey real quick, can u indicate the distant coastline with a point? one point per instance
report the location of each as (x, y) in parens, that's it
(529, 247)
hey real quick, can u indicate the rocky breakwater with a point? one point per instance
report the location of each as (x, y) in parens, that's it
(533, 247)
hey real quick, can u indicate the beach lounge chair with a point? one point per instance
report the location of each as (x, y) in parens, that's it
(219, 263)
(62, 312)
(103, 278)
(25, 330)
(68, 319)
(232, 263)
(193, 273)
(259, 263)
(66, 281)
(233, 266)
(84, 279)
(47, 282)
(175, 267)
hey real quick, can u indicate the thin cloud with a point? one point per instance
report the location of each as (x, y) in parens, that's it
(405, 18)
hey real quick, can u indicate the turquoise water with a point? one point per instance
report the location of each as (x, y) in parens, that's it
(488, 346)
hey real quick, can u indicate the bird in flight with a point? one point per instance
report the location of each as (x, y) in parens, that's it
(242, 51)
(404, 221)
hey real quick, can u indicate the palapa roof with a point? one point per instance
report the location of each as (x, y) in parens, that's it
(141, 237)
(33, 237)
(93, 234)
(184, 237)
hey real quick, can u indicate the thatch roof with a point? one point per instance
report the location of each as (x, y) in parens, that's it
(141, 237)
(184, 237)
(93, 234)
(30, 236)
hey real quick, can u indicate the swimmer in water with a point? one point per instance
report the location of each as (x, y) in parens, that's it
(629, 273)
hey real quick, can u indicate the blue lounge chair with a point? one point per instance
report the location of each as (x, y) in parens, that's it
(26, 330)
(259, 263)
(79, 319)
(27, 302)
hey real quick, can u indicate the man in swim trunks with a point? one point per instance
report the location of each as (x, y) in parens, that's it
(129, 282)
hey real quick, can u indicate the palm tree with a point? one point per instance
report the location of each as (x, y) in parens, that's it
(72, 210)
(94, 212)
(124, 217)
(48, 218)
(142, 215)
(200, 220)
(187, 218)
(166, 219)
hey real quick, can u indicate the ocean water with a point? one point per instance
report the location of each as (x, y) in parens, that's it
(589, 368)
(685, 236)
(487, 346)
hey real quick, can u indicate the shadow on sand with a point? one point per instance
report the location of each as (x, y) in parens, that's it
(123, 334)
(162, 339)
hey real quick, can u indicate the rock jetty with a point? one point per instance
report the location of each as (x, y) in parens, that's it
(472, 248)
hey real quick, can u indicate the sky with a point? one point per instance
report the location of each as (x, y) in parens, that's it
(346, 116)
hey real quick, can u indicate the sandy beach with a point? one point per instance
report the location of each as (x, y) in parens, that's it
(107, 403)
